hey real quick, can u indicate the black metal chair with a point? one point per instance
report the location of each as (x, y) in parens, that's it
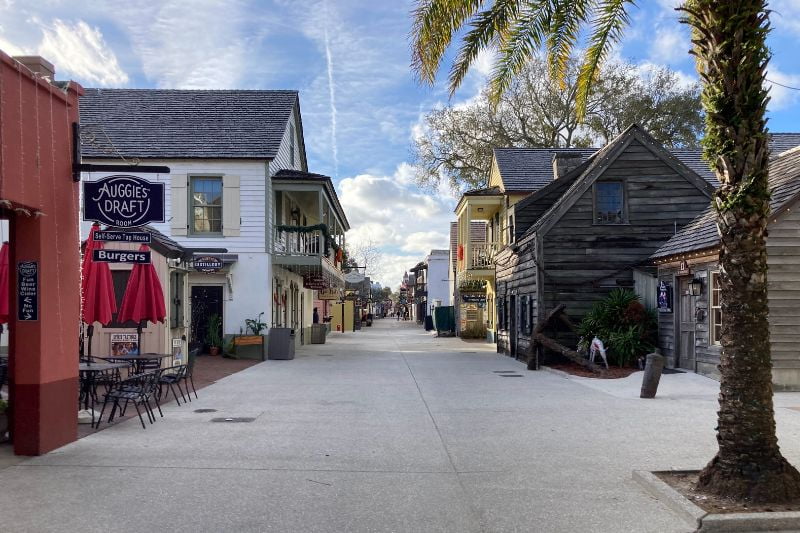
(137, 389)
(187, 377)
(171, 377)
(148, 365)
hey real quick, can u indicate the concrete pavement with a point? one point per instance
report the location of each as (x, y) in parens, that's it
(385, 429)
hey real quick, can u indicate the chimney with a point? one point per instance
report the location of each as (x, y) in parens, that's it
(564, 162)
(38, 65)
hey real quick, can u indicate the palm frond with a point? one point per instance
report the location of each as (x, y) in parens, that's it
(487, 27)
(607, 29)
(520, 44)
(568, 18)
(435, 22)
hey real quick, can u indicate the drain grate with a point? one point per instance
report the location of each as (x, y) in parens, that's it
(324, 355)
(504, 371)
(240, 419)
(510, 375)
(205, 410)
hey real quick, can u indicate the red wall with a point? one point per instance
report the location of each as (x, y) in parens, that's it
(36, 176)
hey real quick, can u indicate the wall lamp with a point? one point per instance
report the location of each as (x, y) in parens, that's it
(696, 287)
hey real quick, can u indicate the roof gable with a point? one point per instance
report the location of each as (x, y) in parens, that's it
(601, 161)
(529, 169)
(179, 124)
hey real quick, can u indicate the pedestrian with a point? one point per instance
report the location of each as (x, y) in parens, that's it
(315, 318)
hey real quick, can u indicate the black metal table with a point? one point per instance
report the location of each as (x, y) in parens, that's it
(137, 359)
(88, 371)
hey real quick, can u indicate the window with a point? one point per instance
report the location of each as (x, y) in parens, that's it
(715, 317)
(609, 202)
(176, 282)
(206, 205)
(489, 313)
(500, 315)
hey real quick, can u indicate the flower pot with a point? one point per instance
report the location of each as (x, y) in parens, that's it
(213, 350)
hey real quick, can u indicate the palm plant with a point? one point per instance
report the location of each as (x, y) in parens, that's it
(729, 45)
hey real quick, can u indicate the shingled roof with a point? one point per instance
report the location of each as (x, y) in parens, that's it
(530, 169)
(701, 233)
(170, 124)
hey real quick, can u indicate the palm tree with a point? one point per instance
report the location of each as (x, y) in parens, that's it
(729, 45)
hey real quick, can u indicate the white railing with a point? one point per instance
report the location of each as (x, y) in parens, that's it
(296, 243)
(483, 254)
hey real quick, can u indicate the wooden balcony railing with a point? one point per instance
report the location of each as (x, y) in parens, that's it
(483, 254)
(297, 243)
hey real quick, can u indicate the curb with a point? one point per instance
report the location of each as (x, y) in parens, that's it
(560, 373)
(714, 523)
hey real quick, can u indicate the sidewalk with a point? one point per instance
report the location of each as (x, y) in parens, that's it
(384, 429)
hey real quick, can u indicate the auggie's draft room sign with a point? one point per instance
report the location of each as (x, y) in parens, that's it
(28, 290)
(141, 237)
(123, 201)
(121, 256)
(208, 263)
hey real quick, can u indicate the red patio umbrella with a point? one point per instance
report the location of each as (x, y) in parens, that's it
(144, 298)
(4, 295)
(97, 288)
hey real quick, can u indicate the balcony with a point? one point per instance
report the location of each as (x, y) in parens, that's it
(305, 253)
(482, 255)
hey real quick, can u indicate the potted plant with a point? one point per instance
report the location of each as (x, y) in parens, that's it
(214, 335)
(253, 336)
(3, 420)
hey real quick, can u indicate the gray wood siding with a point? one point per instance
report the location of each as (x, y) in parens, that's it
(516, 273)
(282, 161)
(583, 261)
(783, 258)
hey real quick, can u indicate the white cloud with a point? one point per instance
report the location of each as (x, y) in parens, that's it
(782, 97)
(786, 16)
(404, 222)
(670, 44)
(80, 50)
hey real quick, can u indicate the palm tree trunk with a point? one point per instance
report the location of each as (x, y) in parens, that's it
(729, 40)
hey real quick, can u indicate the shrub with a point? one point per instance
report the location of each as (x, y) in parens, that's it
(474, 331)
(627, 329)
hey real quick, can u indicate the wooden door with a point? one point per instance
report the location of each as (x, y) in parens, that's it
(686, 325)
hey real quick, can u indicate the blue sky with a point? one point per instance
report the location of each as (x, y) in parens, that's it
(350, 61)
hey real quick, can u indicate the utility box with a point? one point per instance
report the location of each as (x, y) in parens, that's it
(281, 344)
(318, 332)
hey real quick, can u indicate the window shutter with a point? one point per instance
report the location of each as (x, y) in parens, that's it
(179, 224)
(230, 206)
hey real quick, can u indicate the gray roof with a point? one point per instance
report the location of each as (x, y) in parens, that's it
(529, 169)
(178, 124)
(292, 174)
(701, 233)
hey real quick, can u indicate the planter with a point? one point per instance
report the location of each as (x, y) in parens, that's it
(213, 350)
(249, 347)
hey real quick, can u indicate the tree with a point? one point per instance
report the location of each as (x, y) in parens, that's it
(366, 255)
(729, 45)
(538, 111)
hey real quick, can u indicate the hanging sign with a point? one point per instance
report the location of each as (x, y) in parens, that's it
(28, 290)
(664, 297)
(328, 294)
(684, 269)
(354, 277)
(123, 201)
(208, 263)
(121, 256)
(141, 237)
(315, 282)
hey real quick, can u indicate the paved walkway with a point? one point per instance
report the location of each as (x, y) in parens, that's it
(386, 429)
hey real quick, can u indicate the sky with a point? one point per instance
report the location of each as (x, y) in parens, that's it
(361, 105)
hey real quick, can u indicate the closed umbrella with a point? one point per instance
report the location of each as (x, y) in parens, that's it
(4, 296)
(144, 298)
(97, 288)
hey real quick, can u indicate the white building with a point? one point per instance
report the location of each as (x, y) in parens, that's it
(238, 189)
(439, 274)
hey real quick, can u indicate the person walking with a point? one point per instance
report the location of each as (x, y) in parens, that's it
(315, 318)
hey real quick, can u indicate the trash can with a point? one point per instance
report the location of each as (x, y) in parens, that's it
(318, 332)
(281, 344)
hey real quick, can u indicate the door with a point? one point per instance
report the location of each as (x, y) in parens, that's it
(206, 301)
(686, 325)
(302, 319)
(512, 327)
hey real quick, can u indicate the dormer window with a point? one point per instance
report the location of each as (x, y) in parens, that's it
(609, 202)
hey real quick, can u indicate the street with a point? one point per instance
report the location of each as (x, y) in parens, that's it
(384, 429)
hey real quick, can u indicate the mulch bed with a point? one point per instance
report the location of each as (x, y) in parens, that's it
(577, 370)
(686, 484)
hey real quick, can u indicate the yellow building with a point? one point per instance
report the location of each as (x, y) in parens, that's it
(486, 223)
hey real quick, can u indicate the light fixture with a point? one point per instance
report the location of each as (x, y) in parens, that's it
(696, 287)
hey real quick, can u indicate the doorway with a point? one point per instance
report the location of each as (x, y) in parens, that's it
(512, 327)
(686, 325)
(206, 301)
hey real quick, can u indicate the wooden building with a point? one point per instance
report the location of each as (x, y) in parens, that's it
(688, 268)
(586, 232)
